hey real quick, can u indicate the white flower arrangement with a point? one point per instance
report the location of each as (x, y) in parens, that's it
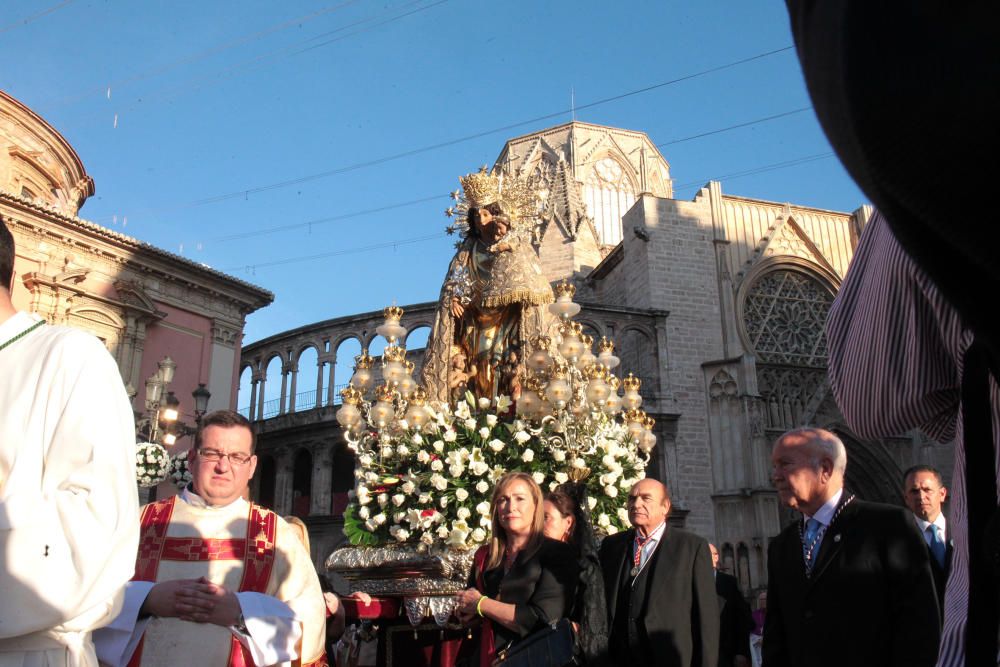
(180, 474)
(439, 492)
(152, 464)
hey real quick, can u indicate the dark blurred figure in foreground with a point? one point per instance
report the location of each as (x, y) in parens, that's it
(908, 96)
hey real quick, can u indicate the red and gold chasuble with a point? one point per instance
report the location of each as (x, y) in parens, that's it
(188, 552)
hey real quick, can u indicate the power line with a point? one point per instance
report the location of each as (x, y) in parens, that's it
(35, 16)
(344, 216)
(320, 221)
(201, 55)
(758, 170)
(246, 192)
(733, 127)
(251, 268)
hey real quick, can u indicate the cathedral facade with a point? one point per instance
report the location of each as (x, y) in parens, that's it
(717, 303)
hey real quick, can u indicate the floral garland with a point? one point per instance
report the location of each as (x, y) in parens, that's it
(180, 474)
(152, 462)
(432, 485)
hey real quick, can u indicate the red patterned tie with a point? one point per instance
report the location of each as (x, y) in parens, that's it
(639, 542)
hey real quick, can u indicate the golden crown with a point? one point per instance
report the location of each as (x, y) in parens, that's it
(635, 415)
(393, 353)
(363, 361)
(606, 345)
(480, 188)
(564, 288)
(393, 313)
(351, 395)
(631, 383)
(384, 392)
(418, 397)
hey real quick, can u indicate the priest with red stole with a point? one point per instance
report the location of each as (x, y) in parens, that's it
(218, 580)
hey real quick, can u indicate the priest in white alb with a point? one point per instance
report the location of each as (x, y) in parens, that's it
(219, 582)
(68, 501)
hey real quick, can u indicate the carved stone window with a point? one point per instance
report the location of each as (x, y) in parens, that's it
(608, 193)
(785, 318)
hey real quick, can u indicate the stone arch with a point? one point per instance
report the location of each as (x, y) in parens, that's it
(306, 367)
(347, 348)
(638, 356)
(342, 477)
(872, 473)
(267, 474)
(591, 328)
(271, 395)
(244, 390)
(302, 482)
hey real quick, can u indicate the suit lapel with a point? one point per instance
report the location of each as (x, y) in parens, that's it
(618, 556)
(833, 540)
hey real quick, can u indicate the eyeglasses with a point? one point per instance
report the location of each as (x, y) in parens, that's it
(214, 456)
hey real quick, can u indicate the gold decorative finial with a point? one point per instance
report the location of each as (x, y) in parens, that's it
(394, 353)
(606, 345)
(418, 397)
(351, 395)
(363, 361)
(631, 383)
(564, 288)
(384, 392)
(393, 313)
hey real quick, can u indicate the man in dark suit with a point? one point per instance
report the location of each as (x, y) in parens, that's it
(850, 583)
(658, 582)
(924, 493)
(735, 618)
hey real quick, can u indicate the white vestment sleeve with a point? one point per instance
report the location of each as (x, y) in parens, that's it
(116, 642)
(69, 509)
(275, 632)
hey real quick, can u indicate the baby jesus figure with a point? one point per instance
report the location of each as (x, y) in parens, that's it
(459, 375)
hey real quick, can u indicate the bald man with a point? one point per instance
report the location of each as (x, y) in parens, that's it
(659, 587)
(850, 582)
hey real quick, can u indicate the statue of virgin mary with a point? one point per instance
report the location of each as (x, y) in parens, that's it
(492, 305)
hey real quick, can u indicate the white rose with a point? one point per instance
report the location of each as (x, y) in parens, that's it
(423, 457)
(623, 514)
(379, 519)
(403, 450)
(398, 517)
(491, 420)
(496, 445)
(558, 455)
(478, 535)
(528, 456)
(363, 512)
(417, 440)
(484, 433)
(612, 529)
(424, 498)
(591, 502)
(486, 522)
(427, 538)
(442, 532)
(522, 437)
(463, 513)
(443, 502)
(382, 499)
(439, 482)
(438, 445)
(578, 462)
(610, 491)
(398, 499)
(482, 486)
(553, 485)
(387, 452)
(450, 435)
(456, 470)
(469, 423)
(603, 520)
(478, 468)
(461, 494)
(562, 477)
(484, 403)
(539, 477)
(365, 459)
(483, 508)
(402, 534)
(437, 465)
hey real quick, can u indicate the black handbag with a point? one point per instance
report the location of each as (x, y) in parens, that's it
(552, 646)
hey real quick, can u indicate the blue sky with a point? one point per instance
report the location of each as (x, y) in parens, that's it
(220, 104)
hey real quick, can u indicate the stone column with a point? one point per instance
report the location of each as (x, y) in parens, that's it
(319, 382)
(293, 368)
(260, 400)
(321, 501)
(254, 380)
(331, 392)
(284, 387)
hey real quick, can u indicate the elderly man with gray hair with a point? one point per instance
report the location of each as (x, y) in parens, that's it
(850, 582)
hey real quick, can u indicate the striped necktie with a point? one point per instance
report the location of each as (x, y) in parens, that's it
(639, 542)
